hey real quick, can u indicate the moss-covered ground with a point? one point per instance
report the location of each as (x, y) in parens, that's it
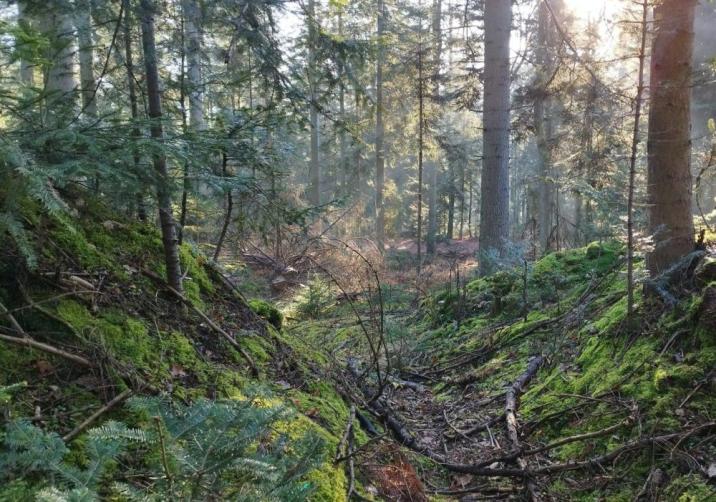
(646, 376)
(92, 298)
(649, 375)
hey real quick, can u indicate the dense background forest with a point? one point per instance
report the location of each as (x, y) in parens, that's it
(383, 250)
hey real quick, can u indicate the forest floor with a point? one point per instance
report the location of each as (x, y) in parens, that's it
(530, 384)
(588, 399)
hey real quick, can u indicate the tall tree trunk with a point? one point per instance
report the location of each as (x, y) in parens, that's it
(191, 53)
(469, 205)
(60, 81)
(495, 193)
(83, 20)
(193, 44)
(669, 145)
(133, 104)
(543, 122)
(27, 70)
(379, 132)
(450, 231)
(166, 218)
(632, 162)
(314, 170)
(421, 120)
(343, 144)
(434, 166)
(430, 238)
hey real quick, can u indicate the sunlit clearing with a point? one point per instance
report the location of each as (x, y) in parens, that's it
(589, 9)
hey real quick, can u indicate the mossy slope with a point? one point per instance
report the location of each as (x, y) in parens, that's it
(96, 301)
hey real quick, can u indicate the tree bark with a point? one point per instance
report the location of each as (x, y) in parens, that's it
(434, 166)
(133, 104)
(193, 40)
(229, 209)
(543, 121)
(632, 163)
(60, 76)
(166, 218)
(27, 71)
(314, 174)
(379, 133)
(432, 173)
(83, 16)
(421, 119)
(494, 200)
(669, 144)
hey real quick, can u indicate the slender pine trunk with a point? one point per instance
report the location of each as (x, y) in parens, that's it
(379, 133)
(134, 107)
(166, 218)
(632, 163)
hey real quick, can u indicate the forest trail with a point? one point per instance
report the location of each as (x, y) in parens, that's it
(563, 382)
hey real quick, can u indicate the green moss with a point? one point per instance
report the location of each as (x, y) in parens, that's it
(690, 488)
(267, 311)
(197, 281)
(74, 242)
(329, 481)
(258, 348)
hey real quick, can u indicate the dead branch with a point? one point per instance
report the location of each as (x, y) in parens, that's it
(218, 329)
(512, 456)
(406, 383)
(483, 426)
(511, 405)
(617, 452)
(13, 322)
(47, 313)
(94, 416)
(30, 342)
(346, 434)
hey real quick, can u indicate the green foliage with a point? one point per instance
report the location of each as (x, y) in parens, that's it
(689, 488)
(206, 450)
(267, 311)
(314, 299)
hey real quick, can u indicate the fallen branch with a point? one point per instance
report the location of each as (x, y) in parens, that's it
(29, 342)
(511, 405)
(617, 452)
(94, 416)
(218, 329)
(346, 434)
(483, 426)
(417, 387)
(512, 456)
(47, 313)
(13, 322)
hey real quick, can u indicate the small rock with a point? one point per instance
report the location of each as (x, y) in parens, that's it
(711, 471)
